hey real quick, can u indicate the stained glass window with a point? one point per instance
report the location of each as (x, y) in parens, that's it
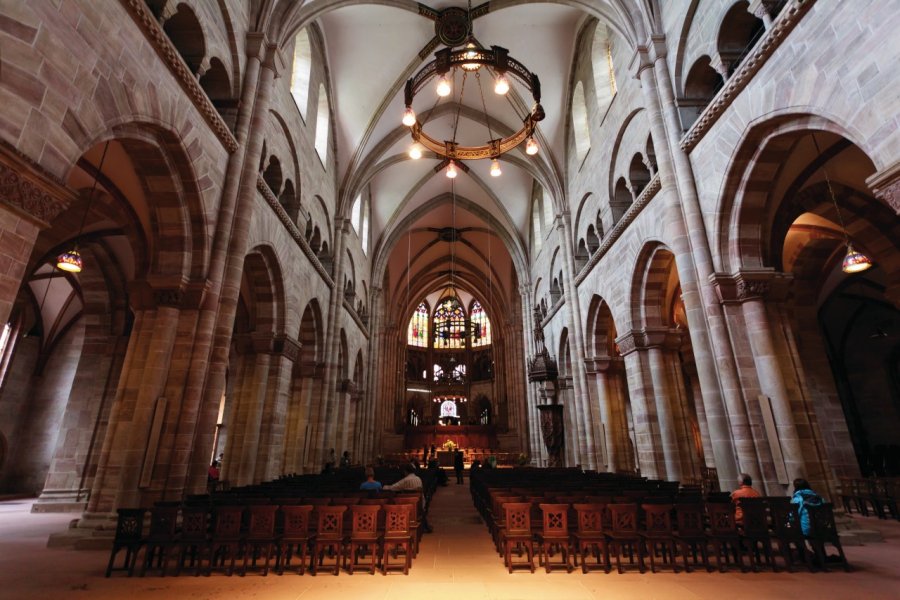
(449, 325)
(417, 335)
(481, 325)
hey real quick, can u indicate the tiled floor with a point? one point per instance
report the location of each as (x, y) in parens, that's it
(456, 562)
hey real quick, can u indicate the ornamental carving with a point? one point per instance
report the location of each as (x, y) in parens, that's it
(552, 432)
(172, 297)
(27, 196)
(750, 288)
(628, 343)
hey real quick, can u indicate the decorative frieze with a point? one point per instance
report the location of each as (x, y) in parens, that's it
(282, 215)
(619, 228)
(167, 51)
(751, 285)
(34, 195)
(788, 19)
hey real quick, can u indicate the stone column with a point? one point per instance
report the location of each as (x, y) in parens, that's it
(600, 368)
(762, 9)
(732, 440)
(209, 361)
(665, 411)
(270, 456)
(584, 413)
(751, 289)
(640, 387)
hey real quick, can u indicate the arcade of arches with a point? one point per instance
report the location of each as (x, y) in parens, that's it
(267, 274)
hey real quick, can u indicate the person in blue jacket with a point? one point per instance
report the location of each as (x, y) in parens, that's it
(804, 497)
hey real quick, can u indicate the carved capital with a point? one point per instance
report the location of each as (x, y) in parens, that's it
(751, 285)
(287, 347)
(885, 184)
(170, 297)
(630, 342)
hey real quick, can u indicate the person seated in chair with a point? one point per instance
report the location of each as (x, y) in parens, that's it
(745, 490)
(805, 497)
(370, 485)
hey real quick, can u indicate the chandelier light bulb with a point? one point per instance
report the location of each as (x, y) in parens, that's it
(495, 168)
(452, 171)
(409, 117)
(444, 87)
(415, 152)
(501, 86)
(531, 146)
(471, 54)
(855, 261)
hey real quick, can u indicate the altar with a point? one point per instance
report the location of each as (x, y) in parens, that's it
(467, 437)
(445, 457)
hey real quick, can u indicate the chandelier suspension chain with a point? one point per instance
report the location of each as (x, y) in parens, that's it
(462, 90)
(93, 190)
(487, 119)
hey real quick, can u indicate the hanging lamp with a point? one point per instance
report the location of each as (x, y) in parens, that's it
(70, 260)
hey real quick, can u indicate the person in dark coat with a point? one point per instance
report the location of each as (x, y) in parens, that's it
(458, 465)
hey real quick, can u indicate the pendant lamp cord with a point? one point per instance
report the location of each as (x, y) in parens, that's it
(831, 193)
(93, 190)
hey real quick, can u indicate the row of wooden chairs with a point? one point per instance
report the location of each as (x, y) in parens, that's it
(881, 495)
(593, 533)
(345, 530)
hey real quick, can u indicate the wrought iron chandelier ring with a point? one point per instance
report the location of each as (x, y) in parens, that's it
(470, 59)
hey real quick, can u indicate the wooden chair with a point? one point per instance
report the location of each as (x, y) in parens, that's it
(883, 497)
(225, 541)
(823, 531)
(554, 535)
(129, 536)
(624, 534)
(329, 536)
(497, 521)
(691, 534)
(416, 522)
(723, 534)
(786, 521)
(398, 535)
(755, 532)
(658, 534)
(295, 537)
(517, 532)
(260, 538)
(364, 536)
(193, 542)
(162, 537)
(590, 537)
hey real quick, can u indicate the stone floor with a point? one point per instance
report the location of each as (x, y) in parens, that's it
(456, 562)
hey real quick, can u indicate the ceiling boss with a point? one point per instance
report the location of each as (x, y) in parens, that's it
(464, 55)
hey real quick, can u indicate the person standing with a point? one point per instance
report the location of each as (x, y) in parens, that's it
(458, 465)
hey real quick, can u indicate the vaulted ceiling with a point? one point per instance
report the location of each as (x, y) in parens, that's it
(372, 50)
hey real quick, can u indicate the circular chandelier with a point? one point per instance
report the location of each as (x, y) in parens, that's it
(472, 59)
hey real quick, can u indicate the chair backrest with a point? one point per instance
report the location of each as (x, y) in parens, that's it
(555, 521)
(163, 521)
(330, 521)
(785, 517)
(624, 518)
(590, 517)
(364, 519)
(689, 517)
(397, 519)
(296, 520)
(261, 520)
(721, 518)
(130, 525)
(517, 517)
(194, 523)
(657, 518)
(227, 522)
(821, 522)
(755, 518)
